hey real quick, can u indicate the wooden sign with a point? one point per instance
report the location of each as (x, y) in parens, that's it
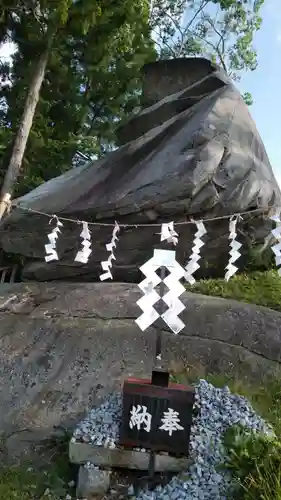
(156, 418)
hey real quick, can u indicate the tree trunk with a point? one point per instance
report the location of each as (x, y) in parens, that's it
(31, 102)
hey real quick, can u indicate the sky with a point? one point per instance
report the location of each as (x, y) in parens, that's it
(264, 83)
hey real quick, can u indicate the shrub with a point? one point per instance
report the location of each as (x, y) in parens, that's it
(261, 288)
(255, 463)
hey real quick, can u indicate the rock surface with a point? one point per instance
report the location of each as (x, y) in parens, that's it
(70, 345)
(194, 151)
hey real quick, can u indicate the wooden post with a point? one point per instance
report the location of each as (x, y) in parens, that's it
(157, 363)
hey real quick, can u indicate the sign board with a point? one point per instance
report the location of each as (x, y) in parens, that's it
(156, 418)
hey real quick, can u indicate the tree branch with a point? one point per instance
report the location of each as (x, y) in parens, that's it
(179, 29)
(221, 39)
(215, 49)
(201, 8)
(173, 53)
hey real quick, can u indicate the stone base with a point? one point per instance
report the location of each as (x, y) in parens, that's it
(81, 453)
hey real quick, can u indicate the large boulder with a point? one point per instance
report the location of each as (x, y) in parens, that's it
(64, 347)
(194, 150)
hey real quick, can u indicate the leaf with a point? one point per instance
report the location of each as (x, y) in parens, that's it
(185, 29)
(99, 47)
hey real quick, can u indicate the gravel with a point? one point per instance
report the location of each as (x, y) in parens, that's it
(101, 426)
(218, 409)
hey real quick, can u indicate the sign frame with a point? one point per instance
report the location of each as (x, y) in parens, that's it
(157, 400)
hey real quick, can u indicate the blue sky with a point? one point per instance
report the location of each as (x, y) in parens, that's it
(265, 83)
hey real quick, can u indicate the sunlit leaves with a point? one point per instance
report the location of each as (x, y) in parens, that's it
(248, 98)
(222, 31)
(92, 79)
(91, 82)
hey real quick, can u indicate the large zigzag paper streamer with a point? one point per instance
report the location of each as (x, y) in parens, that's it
(151, 297)
(107, 264)
(192, 264)
(168, 233)
(234, 254)
(276, 248)
(51, 247)
(84, 254)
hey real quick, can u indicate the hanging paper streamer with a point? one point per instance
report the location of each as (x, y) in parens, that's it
(192, 264)
(168, 233)
(107, 264)
(50, 248)
(234, 254)
(84, 254)
(161, 258)
(276, 248)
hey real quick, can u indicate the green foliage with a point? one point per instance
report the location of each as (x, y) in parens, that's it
(253, 459)
(261, 288)
(260, 259)
(248, 98)
(221, 31)
(91, 76)
(47, 480)
(255, 462)
(19, 483)
(264, 395)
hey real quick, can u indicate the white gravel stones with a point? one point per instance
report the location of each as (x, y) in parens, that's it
(217, 410)
(101, 426)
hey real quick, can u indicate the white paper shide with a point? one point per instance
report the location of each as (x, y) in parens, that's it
(192, 264)
(51, 247)
(234, 253)
(168, 233)
(84, 254)
(107, 264)
(276, 248)
(166, 258)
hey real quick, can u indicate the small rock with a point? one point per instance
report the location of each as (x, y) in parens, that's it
(131, 491)
(92, 482)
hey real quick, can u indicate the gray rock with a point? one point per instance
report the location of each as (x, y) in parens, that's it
(92, 481)
(131, 491)
(80, 341)
(194, 151)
